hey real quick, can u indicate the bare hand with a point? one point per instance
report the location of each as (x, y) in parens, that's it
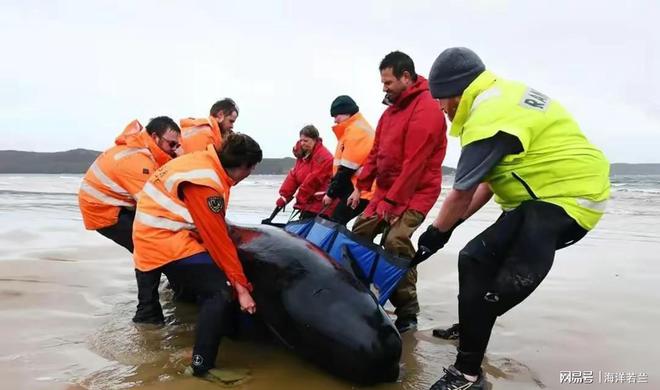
(245, 300)
(354, 199)
(326, 200)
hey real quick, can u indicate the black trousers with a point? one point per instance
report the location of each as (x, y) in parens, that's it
(122, 231)
(311, 214)
(200, 277)
(501, 267)
(343, 214)
(148, 310)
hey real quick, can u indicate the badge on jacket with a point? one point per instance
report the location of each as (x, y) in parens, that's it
(216, 204)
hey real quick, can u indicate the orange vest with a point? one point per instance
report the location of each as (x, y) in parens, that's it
(196, 134)
(163, 230)
(355, 137)
(117, 176)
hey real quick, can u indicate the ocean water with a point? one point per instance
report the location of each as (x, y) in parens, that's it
(67, 296)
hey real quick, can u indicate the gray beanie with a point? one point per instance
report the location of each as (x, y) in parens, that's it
(452, 72)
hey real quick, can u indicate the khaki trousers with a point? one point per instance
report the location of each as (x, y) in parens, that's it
(396, 241)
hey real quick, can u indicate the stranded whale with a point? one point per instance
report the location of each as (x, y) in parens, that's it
(316, 308)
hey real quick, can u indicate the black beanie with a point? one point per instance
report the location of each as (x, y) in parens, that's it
(343, 105)
(452, 72)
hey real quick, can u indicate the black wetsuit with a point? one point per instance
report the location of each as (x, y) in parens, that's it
(501, 266)
(198, 276)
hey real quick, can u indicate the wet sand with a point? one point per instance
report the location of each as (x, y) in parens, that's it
(67, 296)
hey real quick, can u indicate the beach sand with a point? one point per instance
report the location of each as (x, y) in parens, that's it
(67, 296)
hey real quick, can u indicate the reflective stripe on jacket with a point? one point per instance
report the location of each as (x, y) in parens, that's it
(163, 230)
(117, 176)
(355, 137)
(197, 134)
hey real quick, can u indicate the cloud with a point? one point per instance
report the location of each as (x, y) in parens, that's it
(76, 72)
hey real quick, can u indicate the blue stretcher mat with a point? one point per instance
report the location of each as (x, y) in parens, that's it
(366, 260)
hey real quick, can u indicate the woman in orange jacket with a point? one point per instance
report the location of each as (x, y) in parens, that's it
(109, 191)
(180, 229)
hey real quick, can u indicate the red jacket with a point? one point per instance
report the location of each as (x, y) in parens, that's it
(310, 176)
(406, 158)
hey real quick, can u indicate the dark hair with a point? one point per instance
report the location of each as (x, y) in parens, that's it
(226, 105)
(399, 62)
(160, 124)
(239, 150)
(310, 131)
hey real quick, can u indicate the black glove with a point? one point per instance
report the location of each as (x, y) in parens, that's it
(340, 184)
(431, 241)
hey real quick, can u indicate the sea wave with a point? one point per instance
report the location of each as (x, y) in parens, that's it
(651, 191)
(49, 193)
(68, 184)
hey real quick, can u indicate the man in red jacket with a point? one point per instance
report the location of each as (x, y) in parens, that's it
(310, 176)
(406, 163)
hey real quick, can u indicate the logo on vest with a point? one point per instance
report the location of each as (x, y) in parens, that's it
(216, 204)
(535, 100)
(160, 174)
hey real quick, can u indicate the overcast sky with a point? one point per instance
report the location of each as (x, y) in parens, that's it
(73, 73)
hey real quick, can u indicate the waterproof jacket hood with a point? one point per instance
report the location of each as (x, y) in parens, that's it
(309, 178)
(136, 136)
(405, 161)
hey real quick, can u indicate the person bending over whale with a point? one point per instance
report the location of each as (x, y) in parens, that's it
(180, 229)
(109, 191)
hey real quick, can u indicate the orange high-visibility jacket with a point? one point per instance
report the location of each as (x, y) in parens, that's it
(117, 176)
(164, 230)
(196, 134)
(355, 137)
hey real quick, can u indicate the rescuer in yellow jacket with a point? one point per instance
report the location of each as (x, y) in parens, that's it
(355, 138)
(552, 184)
(109, 192)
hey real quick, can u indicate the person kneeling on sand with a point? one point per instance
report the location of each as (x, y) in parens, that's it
(552, 184)
(180, 229)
